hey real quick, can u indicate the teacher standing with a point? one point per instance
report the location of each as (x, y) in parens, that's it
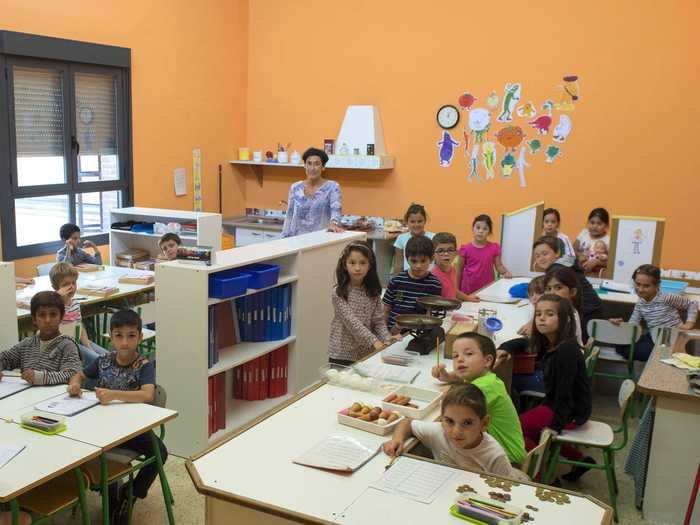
(314, 203)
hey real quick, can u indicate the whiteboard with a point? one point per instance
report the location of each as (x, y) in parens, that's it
(518, 233)
(634, 245)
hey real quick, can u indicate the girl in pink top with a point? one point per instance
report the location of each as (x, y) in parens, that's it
(445, 245)
(479, 257)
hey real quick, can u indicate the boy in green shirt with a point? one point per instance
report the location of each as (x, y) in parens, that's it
(473, 357)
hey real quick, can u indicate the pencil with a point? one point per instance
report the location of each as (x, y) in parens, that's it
(393, 458)
(437, 350)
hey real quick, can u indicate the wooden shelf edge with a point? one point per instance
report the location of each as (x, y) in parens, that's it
(241, 353)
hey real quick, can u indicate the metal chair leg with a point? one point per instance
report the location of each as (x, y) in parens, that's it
(167, 496)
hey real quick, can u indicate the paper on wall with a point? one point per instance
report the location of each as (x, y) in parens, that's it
(197, 178)
(180, 180)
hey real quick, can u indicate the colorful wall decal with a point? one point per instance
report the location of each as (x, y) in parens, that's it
(492, 100)
(489, 156)
(521, 164)
(473, 168)
(527, 110)
(466, 100)
(507, 165)
(510, 137)
(511, 96)
(552, 152)
(571, 93)
(479, 123)
(563, 129)
(447, 147)
(535, 145)
(542, 123)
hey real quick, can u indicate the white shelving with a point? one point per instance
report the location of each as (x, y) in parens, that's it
(208, 229)
(307, 263)
(8, 308)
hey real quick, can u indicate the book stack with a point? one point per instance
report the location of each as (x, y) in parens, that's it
(217, 402)
(188, 228)
(262, 378)
(265, 316)
(97, 290)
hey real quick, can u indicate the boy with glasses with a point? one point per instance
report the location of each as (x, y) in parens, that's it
(445, 253)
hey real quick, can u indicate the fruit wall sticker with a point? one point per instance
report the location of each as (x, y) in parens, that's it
(511, 96)
(447, 148)
(526, 131)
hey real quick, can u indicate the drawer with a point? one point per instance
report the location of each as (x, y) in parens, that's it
(271, 236)
(246, 236)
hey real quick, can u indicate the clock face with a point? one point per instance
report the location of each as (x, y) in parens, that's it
(448, 116)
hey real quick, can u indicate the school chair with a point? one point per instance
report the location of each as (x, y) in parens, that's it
(605, 333)
(591, 360)
(119, 463)
(595, 434)
(44, 269)
(534, 459)
(66, 492)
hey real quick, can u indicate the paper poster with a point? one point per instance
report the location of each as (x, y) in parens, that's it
(521, 164)
(570, 93)
(563, 129)
(180, 181)
(507, 165)
(510, 137)
(535, 145)
(552, 152)
(479, 123)
(511, 96)
(527, 110)
(466, 100)
(492, 100)
(489, 156)
(447, 147)
(635, 246)
(197, 178)
(473, 173)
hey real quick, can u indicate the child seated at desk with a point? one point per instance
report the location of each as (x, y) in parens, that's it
(124, 375)
(473, 356)
(460, 438)
(72, 252)
(407, 286)
(657, 308)
(168, 244)
(445, 245)
(47, 357)
(64, 280)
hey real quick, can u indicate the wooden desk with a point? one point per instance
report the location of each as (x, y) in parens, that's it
(107, 277)
(674, 454)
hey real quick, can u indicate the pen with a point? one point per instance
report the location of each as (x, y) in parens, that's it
(393, 458)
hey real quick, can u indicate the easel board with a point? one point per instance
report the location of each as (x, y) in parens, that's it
(519, 230)
(633, 241)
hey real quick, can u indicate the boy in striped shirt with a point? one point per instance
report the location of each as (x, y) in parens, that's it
(657, 309)
(407, 286)
(47, 357)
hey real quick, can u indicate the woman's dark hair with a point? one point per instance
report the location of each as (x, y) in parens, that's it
(415, 208)
(552, 211)
(549, 241)
(567, 324)
(46, 299)
(466, 395)
(650, 270)
(483, 218)
(420, 246)
(567, 277)
(601, 213)
(373, 287)
(315, 152)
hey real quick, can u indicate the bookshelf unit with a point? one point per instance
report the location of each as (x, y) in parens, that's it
(307, 264)
(208, 229)
(8, 308)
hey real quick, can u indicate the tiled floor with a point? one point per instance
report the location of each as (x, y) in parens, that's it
(189, 505)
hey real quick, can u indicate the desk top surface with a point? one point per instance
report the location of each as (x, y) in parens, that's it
(660, 379)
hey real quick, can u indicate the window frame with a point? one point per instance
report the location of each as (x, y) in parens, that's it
(69, 57)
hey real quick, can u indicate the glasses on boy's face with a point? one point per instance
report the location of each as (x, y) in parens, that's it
(440, 251)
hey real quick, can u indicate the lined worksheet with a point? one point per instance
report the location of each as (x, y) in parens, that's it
(339, 453)
(417, 480)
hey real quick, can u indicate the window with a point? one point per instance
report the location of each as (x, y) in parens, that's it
(65, 142)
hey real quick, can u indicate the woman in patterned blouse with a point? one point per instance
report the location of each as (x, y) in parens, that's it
(315, 203)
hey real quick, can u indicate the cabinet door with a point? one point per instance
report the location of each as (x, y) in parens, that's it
(271, 236)
(246, 236)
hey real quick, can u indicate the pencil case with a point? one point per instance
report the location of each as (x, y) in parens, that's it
(43, 423)
(477, 509)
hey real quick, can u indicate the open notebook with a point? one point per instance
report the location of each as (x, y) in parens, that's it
(9, 451)
(11, 385)
(66, 405)
(343, 453)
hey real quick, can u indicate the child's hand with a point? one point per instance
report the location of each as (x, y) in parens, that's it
(28, 375)
(590, 265)
(525, 330)
(507, 275)
(393, 448)
(104, 395)
(379, 345)
(74, 390)
(473, 298)
(67, 290)
(687, 326)
(396, 338)
(616, 320)
(501, 357)
(89, 244)
(441, 373)
(69, 247)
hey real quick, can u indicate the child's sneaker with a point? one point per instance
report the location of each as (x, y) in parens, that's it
(578, 470)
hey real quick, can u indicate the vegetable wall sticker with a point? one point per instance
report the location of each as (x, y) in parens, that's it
(542, 123)
(511, 96)
(563, 129)
(535, 145)
(492, 100)
(552, 152)
(473, 173)
(510, 138)
(570, 95)
(479, 123)
(527, 110)
(521, 164)
(507, 165)
(447, 146)
(489, 156)
(466, 101)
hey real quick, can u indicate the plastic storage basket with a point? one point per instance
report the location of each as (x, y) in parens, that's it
(228, 283)
(262, 275)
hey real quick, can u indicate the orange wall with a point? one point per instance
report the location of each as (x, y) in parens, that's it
(188, 85)
(632, 149)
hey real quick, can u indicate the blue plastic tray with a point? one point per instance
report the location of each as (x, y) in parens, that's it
(673, 286)
(262, 275)
(228, 283)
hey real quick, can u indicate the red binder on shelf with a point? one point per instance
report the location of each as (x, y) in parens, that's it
(211, 407)
(221, 401)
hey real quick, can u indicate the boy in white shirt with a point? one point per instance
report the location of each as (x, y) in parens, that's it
(460, 438)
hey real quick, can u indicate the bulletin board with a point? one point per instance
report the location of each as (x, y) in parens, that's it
(519, 230)
(633, 241)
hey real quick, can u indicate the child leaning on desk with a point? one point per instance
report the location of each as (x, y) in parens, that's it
(47, 357)
(460, 437)
(124, 375)
(71, 251)
(473, 356)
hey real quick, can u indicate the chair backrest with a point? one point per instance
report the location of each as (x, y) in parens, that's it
(605, 332)
(591, 361)
(44, 269)
(627, 389)
(533, 461)
(161, 397)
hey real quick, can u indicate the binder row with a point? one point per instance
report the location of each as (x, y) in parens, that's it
(262, 378)
(217, 402)
(264, 316)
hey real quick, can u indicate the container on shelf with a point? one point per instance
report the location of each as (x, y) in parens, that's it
(677, 287)
(262, 275)
(127, 258)
(228, 283)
